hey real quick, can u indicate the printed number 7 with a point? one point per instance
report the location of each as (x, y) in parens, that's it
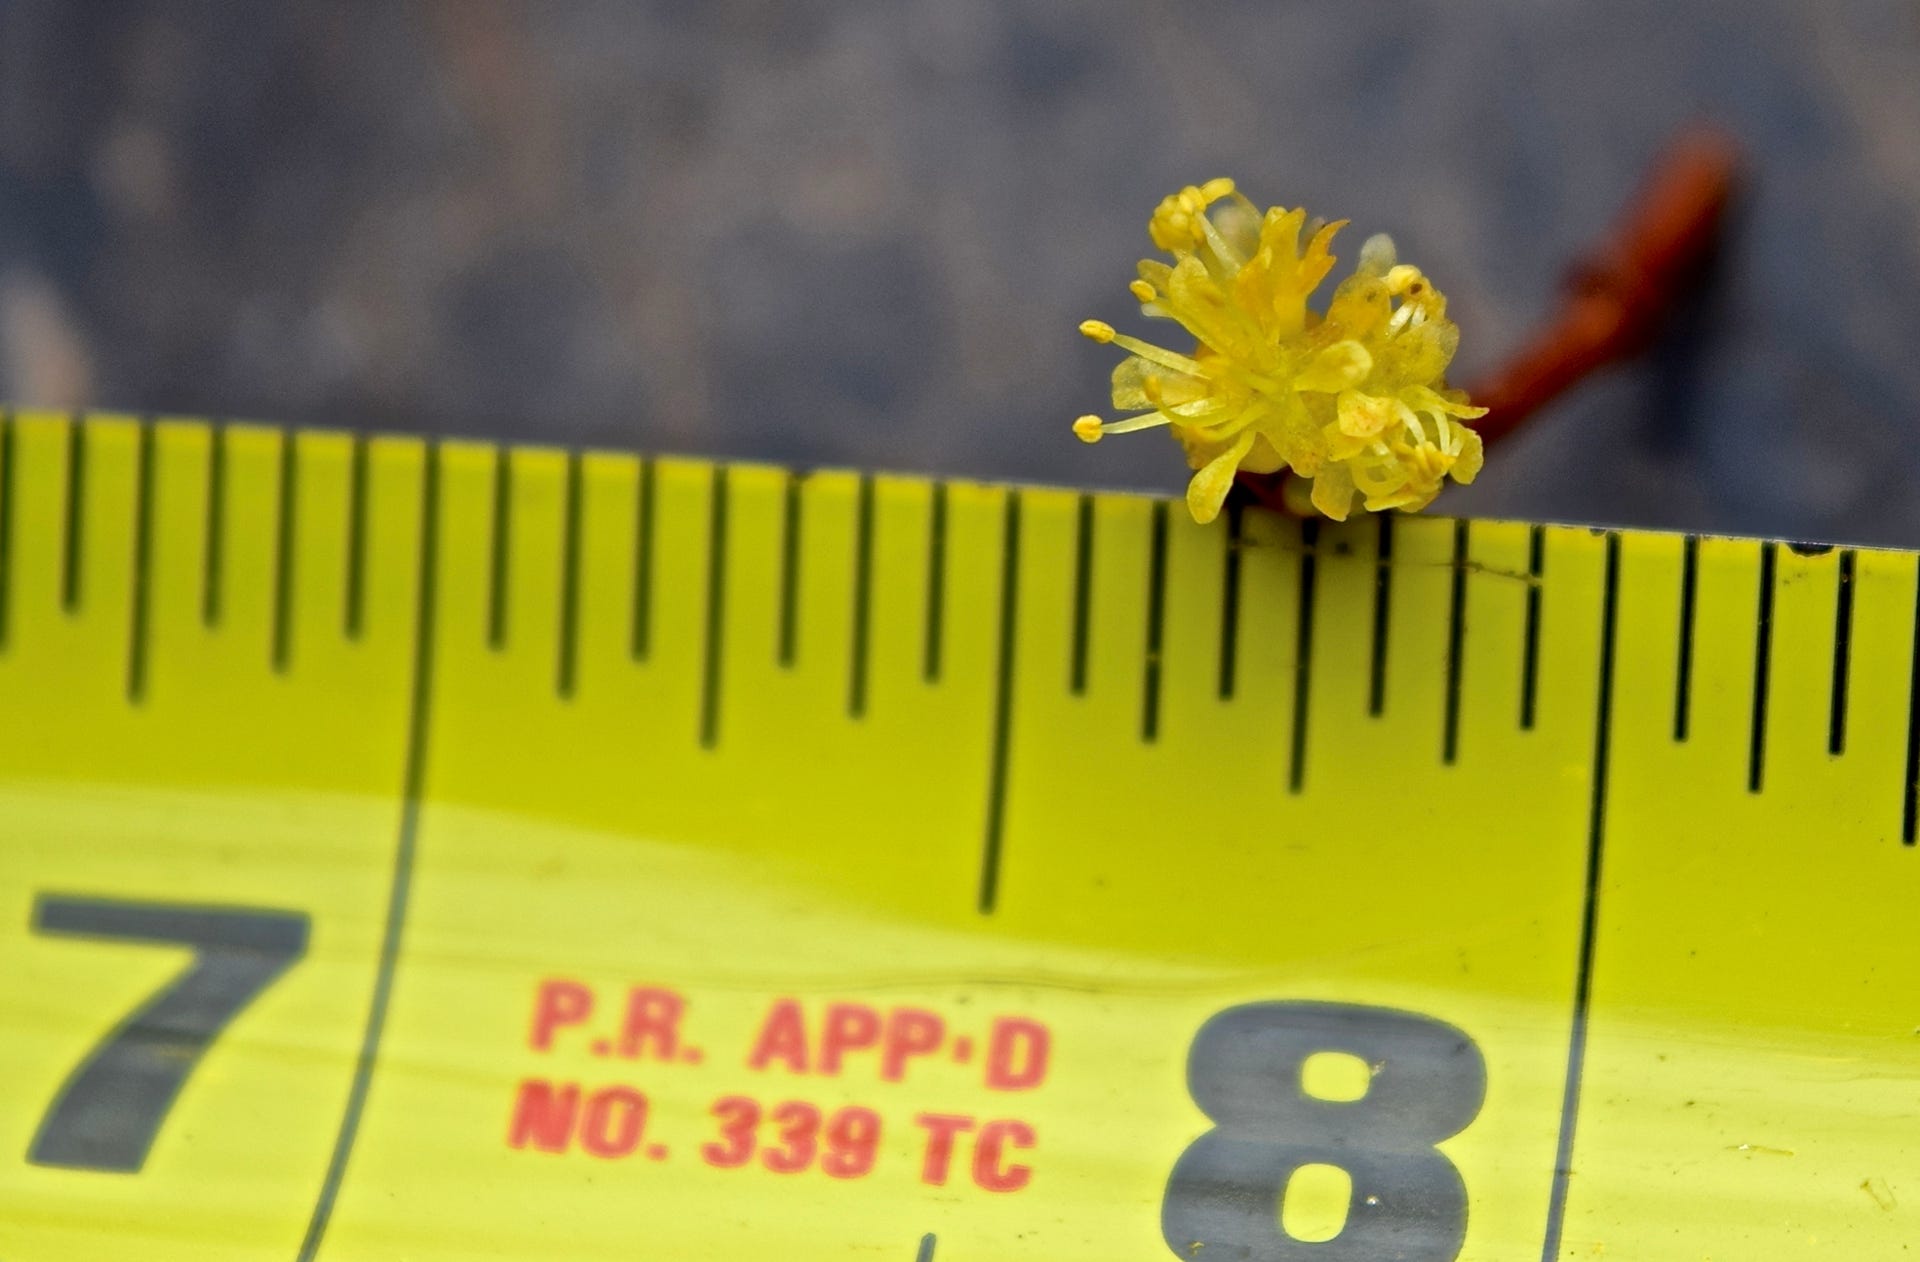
(112, 1104)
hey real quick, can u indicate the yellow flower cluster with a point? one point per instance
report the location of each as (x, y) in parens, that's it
(1354, 399)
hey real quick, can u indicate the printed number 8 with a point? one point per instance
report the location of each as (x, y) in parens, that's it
(1245, 1072)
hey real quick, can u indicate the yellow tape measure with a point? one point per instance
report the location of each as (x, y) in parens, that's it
(438, 852)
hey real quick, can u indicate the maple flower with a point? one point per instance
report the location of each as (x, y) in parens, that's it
(1354, 398)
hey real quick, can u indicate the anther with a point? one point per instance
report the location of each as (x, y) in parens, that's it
(1096, 330)
(1087, 429)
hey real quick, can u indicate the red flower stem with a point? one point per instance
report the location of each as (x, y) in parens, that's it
(1615, 299)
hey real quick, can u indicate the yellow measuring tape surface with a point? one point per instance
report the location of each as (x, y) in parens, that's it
(439, 852)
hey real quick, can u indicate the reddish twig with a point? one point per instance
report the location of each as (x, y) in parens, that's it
(1616, 298)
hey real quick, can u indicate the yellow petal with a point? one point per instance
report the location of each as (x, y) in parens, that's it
(1360, 305)
(1420, 353)
(1333, 492)
(1155, 273)
(1366, 415)
(1318, 259)
(1264, 458)
(1140, 383)
(1452, 403)
(1466, 466)
(1344, 446)
(1208, 489)
(1280, 232)
(1336, 368)
(1406, 499)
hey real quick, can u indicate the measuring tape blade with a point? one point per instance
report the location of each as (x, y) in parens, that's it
(443, 851)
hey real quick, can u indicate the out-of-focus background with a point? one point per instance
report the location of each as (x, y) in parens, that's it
(863, 233)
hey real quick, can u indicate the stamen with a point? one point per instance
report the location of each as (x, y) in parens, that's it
(1129, 424)
(1403, 278)
(1148, 351)
(1199, 414)
(1411, 419)
(1229, 261)
(1216, 431)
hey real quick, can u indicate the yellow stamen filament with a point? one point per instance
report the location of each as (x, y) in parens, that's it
(1154, 354)
(1132, 424)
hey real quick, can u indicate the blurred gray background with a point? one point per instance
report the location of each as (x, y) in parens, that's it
(863, 233)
